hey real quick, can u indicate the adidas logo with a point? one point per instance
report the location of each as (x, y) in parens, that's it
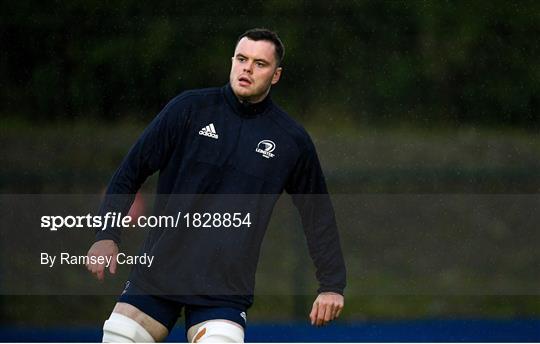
(209, 131)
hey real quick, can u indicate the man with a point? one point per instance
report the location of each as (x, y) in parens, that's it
(208, 144)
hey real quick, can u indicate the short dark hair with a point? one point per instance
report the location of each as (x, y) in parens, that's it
(262, 34)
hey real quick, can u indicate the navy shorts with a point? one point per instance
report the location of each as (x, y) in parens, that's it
(167, 311)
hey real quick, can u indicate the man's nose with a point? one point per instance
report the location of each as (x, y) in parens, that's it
(248, 67)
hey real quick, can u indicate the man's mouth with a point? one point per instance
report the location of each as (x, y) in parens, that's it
(244, 81)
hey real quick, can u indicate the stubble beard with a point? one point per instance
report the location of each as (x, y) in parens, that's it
(252, 97)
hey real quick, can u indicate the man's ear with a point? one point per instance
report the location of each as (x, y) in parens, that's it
(277, 75)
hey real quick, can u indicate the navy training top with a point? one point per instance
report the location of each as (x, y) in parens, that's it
(216, 154)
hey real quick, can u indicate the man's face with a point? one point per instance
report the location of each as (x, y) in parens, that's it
(254, 69)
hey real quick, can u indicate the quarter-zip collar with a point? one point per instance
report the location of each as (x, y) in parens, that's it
(246, 109)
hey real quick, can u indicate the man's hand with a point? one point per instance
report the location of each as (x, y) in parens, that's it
(105, 248)
(327, 307)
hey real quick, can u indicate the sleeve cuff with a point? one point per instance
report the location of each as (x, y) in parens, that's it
(330, 289)
(106, 235)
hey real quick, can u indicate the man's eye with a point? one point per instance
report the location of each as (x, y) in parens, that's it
(241, 59)
(260, 64)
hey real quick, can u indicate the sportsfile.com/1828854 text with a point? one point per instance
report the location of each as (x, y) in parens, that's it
(116, 220)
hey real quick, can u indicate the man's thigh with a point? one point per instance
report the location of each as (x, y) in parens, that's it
(222, 324)
(155, 314)
(157, 330)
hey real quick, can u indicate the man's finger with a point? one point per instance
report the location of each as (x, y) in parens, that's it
(89, 265)
(334, 311)
(112, 267)
(100, 272)
(313, 314)
(320, 314)
(92, 267)
(337, 309)
(330, 312)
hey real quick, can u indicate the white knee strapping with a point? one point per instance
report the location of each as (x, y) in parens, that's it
(122, 329)
(218, 331)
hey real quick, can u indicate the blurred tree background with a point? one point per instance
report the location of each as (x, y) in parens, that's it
(380, 62)
(399, 96)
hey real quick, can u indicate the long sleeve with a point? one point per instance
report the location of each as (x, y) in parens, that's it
(149, 154)
(308, 190)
